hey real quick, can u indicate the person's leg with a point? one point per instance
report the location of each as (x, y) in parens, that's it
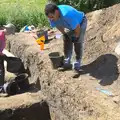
(2, 72)
(68, 48)
(78, 45)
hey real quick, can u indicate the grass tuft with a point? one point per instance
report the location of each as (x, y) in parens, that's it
(23, 12)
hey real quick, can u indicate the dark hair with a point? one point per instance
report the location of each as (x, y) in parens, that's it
(50, 8)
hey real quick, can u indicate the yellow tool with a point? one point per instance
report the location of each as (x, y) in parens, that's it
(41, 42)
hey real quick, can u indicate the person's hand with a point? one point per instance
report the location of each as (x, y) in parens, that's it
(75, 39)
(66, 36)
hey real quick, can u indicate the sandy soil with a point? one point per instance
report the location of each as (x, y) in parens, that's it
(78, 96)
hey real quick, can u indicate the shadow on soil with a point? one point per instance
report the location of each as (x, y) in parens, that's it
(37, 111)
(103, 68)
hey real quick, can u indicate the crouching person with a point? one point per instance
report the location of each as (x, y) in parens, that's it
(8, 29)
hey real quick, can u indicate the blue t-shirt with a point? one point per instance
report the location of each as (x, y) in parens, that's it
(69, 17)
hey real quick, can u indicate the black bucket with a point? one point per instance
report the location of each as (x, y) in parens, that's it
(15, 65)
(56, 59)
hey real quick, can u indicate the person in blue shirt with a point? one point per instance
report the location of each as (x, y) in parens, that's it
(72, 24)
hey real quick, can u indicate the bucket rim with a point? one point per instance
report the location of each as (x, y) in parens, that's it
(54, 55)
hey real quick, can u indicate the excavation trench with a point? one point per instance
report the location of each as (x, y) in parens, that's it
(32, 104)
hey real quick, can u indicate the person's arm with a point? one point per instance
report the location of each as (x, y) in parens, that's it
(2, 41)
(73, 23)
(61, 29)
